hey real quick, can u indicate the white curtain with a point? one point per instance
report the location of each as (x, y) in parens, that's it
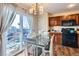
(7, 15)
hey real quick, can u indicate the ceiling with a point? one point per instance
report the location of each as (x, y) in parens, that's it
(52, 7)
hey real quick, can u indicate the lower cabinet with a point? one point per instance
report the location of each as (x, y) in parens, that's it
(58, 37)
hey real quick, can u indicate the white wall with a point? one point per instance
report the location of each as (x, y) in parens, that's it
(43, 22)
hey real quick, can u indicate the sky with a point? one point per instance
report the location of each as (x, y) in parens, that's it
(17, 21)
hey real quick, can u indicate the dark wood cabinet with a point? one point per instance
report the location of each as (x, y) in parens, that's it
(52, 21)
(57, 38)
(56, 21)
(75, 17)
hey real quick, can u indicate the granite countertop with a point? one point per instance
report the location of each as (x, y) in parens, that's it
(60, 32)
(55, 32)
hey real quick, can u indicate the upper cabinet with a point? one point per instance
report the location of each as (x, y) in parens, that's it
(56, 21)
(75, 17)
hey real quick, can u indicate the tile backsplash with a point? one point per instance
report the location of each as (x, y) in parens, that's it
(59, 28)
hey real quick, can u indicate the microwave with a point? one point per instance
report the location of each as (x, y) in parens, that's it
(70, 22)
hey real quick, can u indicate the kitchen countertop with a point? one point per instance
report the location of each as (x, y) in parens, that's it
(60, 32)
(55, 32)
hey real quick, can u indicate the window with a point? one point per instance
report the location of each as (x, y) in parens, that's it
(16, 35)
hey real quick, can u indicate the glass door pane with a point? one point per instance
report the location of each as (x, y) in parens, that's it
(13, 36)
(26, 29)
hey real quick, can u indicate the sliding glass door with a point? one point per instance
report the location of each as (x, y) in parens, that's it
(17, 34)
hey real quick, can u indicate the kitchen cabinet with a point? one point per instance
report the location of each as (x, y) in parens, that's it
(56, 21)
(52, 22)
(75, 17)
(58, 37)
(72, 16)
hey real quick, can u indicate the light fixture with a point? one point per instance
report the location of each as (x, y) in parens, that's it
(71, 5)
(36, 9)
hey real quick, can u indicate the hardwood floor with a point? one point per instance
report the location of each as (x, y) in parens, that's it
(60, 50)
